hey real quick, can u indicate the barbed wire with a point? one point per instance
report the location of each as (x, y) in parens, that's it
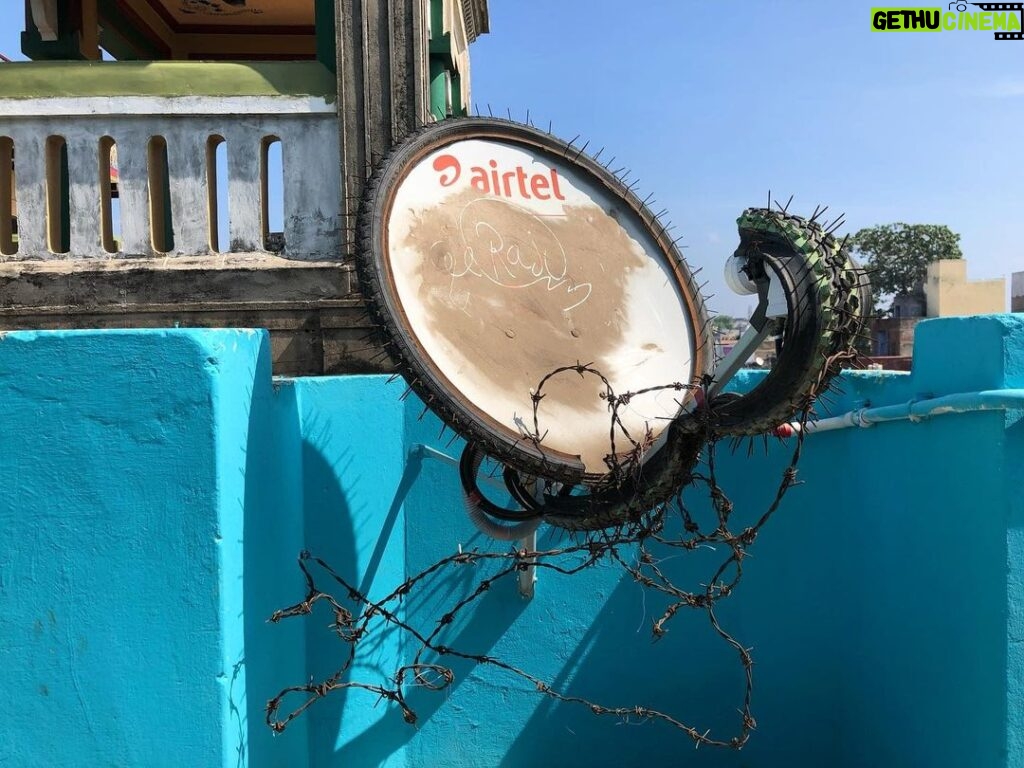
(357, 617)
(618, 468)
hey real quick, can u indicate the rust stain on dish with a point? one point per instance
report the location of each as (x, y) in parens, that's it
(557, 283)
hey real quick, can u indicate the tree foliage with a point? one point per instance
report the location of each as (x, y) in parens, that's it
(898, 255)
(724, 322)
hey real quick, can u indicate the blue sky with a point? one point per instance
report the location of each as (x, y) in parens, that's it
(713, 103)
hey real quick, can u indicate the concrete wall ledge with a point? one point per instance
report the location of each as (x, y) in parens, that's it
(159, 485)
(86, 284)
(317, 320)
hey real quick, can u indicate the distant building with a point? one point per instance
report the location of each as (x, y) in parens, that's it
(909, 305)
(893, 336)
(949, 293)
(945, 292)
(1017, 292)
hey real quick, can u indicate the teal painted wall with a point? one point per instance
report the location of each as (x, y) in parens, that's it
(159, 487)
(119, 536)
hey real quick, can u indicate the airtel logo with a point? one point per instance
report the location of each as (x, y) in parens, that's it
(501, 183)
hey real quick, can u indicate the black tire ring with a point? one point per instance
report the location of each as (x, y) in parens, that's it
(657, 481)
(521, 454)
(827, 309)
(469, 465)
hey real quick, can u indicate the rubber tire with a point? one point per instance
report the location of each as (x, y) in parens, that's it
(469, 466)
(827, 309)
(660, 479)
(402, 347)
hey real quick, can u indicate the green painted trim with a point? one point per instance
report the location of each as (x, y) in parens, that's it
(436, 19)
(130, 43)
(61, 49)
(326, 52)
(438, 89)
(114, 43)
(66, 46)
(458, 108)
(51, 79)
(442, 46)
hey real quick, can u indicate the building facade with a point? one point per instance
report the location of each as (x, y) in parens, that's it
(948, 292)
(945, 292)
(1017, 292)
(268, 115)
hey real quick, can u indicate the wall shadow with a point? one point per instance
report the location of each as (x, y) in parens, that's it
(328, 534)
(690, 675)
(484, 625)
(273, 538)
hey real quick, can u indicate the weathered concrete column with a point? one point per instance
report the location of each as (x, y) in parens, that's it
(383, 88)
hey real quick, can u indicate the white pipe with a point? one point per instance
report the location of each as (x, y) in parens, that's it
(914, 410)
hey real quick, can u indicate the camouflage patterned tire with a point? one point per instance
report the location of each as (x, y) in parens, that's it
(828, 297)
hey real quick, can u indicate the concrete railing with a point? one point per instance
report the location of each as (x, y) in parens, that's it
(57, 153)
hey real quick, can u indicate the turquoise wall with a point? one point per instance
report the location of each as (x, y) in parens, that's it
(159, 486)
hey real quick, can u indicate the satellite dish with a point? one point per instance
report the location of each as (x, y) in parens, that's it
(493, 253)
(500, 262)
